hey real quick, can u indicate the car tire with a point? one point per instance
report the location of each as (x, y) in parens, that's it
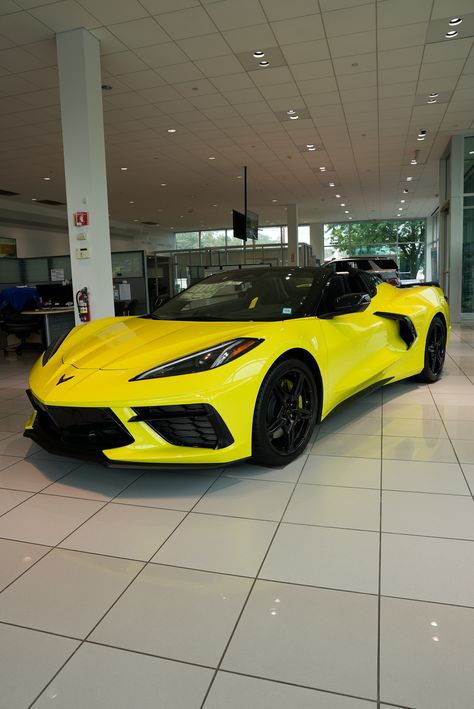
(435, 352)
(285, 413)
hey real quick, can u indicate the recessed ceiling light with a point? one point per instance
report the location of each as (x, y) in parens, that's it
(312, 149)
(34, 199)
(310, 145)
(343, 204)
(239, 177)
(451, 33)
(414, 161)
(131, 202)
(163, 184)
(124, 168)
(294, 118)
(291, 112)
(409, 179)
(434, 94)
(171, 130)
(258, 54)
(214, 205)
(455, 21)
(431, 100)
(471, 152)
(332, 184)
(47, 179)
(350, 217)
(402, 201)
(274, 200)
(212, 157)
(421, 137)
(405, 191)
(323, 169)
(338, 196)
(135, 220)
(265, 63)
(346, 211)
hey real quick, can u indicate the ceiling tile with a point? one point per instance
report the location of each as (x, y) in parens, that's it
(21, 28)
(397, 76)
(108, 11)
(324, 85)
(219, 66)
(42, 78)
(407, 88)
(13, 84)
(66, 15)
(17, 60)
(301, 29)
(139, 33)
(355, 65)
(434, 70)
(211, 100)
(312, 70)
(349, 20)
(229, 15)
(392, 13)
(268, 77)
(360, 43)
(233, 82)
(283, 10)
(443, 83)
(127, 99)
(366, 78)
(109, 43)
(394, 58)
(196, 89)
(365, 94)
(250, 38)
(243, 96)
(177, 73)
(159, 93)
(160, 55)
(142, 79)
(403, 36)
(205, 47)
(122, 63)
(289, 90)
(187, 23)
(302, 52)
(450, 8)
(156, 7)
(322, 99)
(446, 51)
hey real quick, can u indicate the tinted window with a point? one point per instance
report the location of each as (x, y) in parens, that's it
(386, 263)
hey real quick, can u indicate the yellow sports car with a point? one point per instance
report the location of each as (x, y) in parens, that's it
(242, 364)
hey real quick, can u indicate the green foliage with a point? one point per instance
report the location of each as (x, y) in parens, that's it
(404, 239)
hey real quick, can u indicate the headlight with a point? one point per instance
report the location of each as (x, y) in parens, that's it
(54, 347)
(202, 361)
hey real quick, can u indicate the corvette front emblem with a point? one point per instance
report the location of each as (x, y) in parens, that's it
(63, 379)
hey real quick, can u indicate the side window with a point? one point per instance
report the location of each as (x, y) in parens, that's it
(368, 282)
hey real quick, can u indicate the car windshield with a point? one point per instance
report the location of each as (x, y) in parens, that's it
(257, 294)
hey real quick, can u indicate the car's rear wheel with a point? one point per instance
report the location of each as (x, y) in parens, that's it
(285, 413)
(435, 351)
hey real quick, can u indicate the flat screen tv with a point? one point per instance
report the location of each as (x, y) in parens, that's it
(245, 226)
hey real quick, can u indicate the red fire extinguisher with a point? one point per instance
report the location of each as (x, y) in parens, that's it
(82, 300)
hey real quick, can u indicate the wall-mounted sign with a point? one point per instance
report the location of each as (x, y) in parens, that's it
(81, 218)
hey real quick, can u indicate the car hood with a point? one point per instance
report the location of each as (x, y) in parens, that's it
(140, 343)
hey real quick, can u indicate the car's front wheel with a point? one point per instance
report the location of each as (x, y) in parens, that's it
(285, 413)
(435, 351)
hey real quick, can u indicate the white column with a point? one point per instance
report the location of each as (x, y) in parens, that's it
(316, 240)
(84, 166)
(455, 225)
(292, 222)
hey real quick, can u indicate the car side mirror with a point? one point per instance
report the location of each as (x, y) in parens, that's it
(351, 303)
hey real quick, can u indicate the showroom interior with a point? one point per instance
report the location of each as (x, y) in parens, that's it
(131, 130)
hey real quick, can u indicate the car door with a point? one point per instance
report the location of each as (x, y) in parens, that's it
(357, 343)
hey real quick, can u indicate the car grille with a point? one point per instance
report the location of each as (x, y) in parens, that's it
(192, 425)
(87, 429)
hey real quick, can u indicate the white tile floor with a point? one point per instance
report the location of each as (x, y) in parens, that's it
(343, 581)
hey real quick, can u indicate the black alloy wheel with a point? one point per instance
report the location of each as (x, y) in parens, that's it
(435, 351)
(285, 413)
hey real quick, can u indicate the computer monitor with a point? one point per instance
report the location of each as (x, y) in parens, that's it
(55, 293)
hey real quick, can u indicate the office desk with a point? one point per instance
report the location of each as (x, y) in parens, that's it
(56, 321)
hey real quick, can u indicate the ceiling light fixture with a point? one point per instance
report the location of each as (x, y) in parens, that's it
(47, 179)
(291, 111)
(34, 199)
(265, 63)
(312, 149)
(323, 169)
(455, 21)
(450, 34)
(131, 202)
(471, 152)
(332, 184)
(414, 161)
(124, 168)
(171, 130)
(346, 211)
(402, 201)
(258, 54)
(434, 94)
(343, 204)
(405, 191)
(310, 145)
(294, 118)
(163, 184)
(409, 179)
(274, 200)
(338, 196)
(212, 157)
(432, 100)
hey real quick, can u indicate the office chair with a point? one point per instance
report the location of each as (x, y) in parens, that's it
(22, 326)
